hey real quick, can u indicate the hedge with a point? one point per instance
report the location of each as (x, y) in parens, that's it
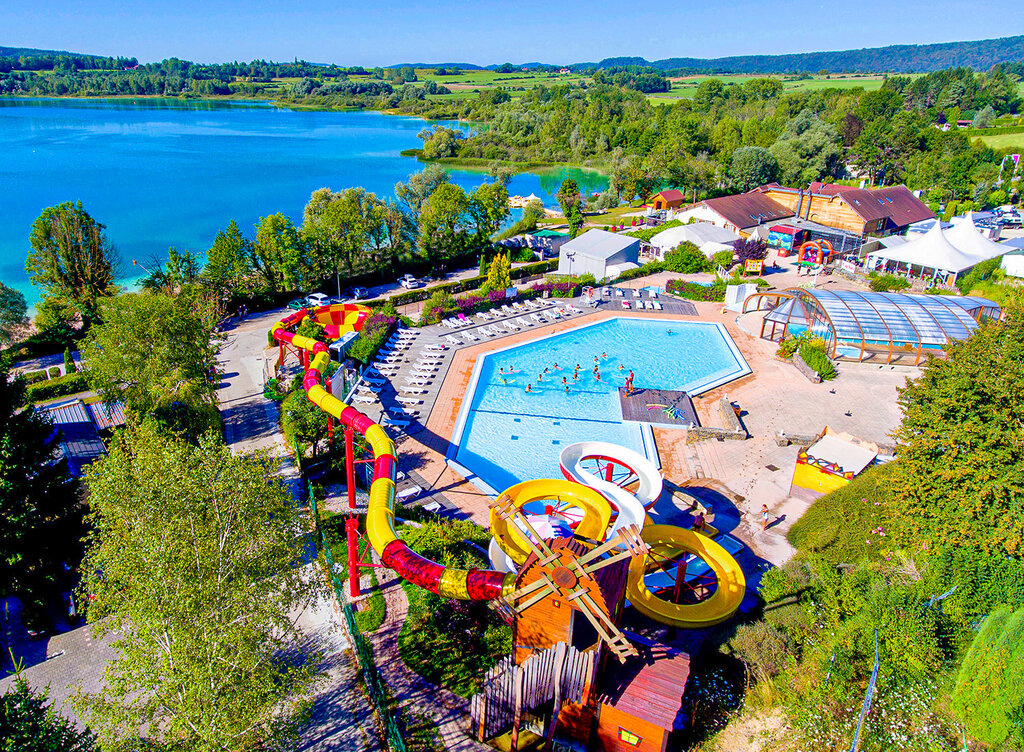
(463, 285)
(31, 377)
(814, 356)
(692, 291)
(61, 386)
(1005, 130)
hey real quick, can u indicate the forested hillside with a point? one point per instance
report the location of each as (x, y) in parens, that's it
(899, 58)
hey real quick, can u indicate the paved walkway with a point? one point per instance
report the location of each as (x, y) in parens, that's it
(410, 690)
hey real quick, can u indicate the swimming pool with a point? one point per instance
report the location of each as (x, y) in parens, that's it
(505, 434)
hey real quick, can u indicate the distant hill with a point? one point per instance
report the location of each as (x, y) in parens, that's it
(459, 66)
(32, 52)
(901, 58)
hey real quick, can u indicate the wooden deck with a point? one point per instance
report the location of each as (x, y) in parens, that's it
(637, 407)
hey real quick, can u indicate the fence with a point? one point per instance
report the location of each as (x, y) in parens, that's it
(375, 687)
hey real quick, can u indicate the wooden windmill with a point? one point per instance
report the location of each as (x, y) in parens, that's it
(565, 577)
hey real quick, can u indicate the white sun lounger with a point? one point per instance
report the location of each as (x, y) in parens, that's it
(364, 400)
(657, 306)
(510, 326)
(653, 293)
(508, 310)
(418, 381)
(519, 307)
(619, 293)
(453, 340)
(435, 347)
(409, 400)
(483, 316)
(470, 336)
(536, 317)
(413, 390)
(409, 493)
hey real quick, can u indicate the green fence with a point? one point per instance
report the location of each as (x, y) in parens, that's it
(374, 684)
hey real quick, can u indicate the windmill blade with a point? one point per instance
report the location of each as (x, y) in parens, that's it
(508, 511)
(613, 637)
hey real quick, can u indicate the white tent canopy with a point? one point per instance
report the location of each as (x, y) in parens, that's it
(945, 251)
(706, 236)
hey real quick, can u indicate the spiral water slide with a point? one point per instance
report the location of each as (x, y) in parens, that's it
(473, 584)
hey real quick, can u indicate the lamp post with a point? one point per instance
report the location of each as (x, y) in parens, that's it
(570, 255)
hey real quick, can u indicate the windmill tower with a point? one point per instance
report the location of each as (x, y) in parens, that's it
(569, 590)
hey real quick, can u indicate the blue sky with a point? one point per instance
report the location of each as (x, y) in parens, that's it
(375, 32)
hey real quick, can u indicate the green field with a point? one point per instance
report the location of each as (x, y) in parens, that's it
(1004, 141)
(686, 86)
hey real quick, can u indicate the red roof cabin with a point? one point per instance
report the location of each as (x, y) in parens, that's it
(672, 199)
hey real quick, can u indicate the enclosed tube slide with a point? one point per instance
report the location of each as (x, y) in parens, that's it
(473, 584)
(631, 506)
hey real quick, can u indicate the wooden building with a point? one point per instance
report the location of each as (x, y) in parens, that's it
(671, 199)
(640, 701)
(860, 211)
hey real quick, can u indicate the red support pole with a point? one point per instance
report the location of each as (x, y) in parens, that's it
(352, 533)
(350, 469)
(608, 471)
(330, 419)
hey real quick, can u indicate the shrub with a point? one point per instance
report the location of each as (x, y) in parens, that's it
(53, 372)
(686, 259)
(888, 283)
(375, 330)
(692, 291)
(813, 354)
(723, 259)
(31, 377)
(764, 648)
(647, 233)
(523, 254)
(69, 362)
(61, 386)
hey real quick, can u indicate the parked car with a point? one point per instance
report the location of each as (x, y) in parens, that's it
(409, 282)
(317, 299)
(358, 293)
(297, 304)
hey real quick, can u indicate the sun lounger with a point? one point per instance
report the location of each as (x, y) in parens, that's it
(483, 316)
(389, 421)
(606, 291)
(436, 347)
(508, 310)
(636, 294)
(409, 400)
(510, 326)
(418, 381)
(413, 390)
(398, 412)
(408, 494)
(519, 307)
(374, 380)
(657, 306)
(574, 309)
(619, 293)
(653, 293)
(625, 304)
(470, 336)
(452, 340)
(364, 400)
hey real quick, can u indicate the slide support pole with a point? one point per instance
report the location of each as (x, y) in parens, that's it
(350, 469)
(352, 533)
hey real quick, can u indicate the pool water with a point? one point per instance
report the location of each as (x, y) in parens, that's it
(506, 435)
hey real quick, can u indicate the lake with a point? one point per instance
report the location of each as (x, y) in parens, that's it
(168, 173)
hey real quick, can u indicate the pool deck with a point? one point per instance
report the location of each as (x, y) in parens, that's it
(862, 401)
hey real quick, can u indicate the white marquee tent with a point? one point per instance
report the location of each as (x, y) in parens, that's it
(938, 253)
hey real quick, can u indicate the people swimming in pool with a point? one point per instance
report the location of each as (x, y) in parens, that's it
(556, 366)
(604, 356)
(621, 367)
(566, 388)
(595, 360)
(529, 387)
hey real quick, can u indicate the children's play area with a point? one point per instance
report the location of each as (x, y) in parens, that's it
(569, 556)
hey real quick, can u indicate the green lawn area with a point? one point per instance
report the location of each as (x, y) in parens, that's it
(1004, 141)
(492, 79)
(686, 86)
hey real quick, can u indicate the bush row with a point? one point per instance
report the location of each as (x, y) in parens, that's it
(61, 386)
(375, 330)
(813, 354)
(692, 291)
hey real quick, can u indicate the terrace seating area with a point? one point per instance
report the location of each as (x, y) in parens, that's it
(509, 318)
(628, 299)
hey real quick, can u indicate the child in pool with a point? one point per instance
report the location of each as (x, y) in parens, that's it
(529, 387)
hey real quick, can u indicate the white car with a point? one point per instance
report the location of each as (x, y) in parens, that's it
(317, 299)
(409, 282)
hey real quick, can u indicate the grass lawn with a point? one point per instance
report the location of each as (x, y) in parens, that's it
(371, 611)
(1004, 141)
(686, 86)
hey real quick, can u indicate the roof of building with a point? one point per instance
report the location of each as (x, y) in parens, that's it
(671, 195)
(649, 685)
(697, 233)
(548, 234)
(896, 202)
(79, 438)
(747, 209)
(599, 244)
(850, 457)
(107, 414)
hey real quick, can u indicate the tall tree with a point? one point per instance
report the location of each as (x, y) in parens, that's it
(13, 310)
(71, 260)
(443, 221)
(28, 723)
(195, 565)
(808, 149)
(959, 476)
(39, 505)
(229, 262)
(154, 351)
(279, 254)
(420, 186)
(488, 208)
(752, 166)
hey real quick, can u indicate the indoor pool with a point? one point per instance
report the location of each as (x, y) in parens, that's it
(506, 434)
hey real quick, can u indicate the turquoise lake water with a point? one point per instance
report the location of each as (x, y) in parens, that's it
(507, 435)
(162, 173)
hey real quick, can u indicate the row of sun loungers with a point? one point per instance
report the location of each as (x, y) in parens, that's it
(650, 305)
(619, 293)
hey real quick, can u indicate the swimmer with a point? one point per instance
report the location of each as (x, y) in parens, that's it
(575, 377)
(595, 360)
(529, 387)
(621, 367)
(566, 388)
(546, 370)
(504, 381)
(597, 374)
(557, 367)
(670, 331)
(564, 382)
(604, 356)
(501, 371)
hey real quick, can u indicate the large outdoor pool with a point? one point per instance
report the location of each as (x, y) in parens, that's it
(505, 434)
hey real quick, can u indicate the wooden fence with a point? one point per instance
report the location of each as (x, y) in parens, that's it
(557, 674)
